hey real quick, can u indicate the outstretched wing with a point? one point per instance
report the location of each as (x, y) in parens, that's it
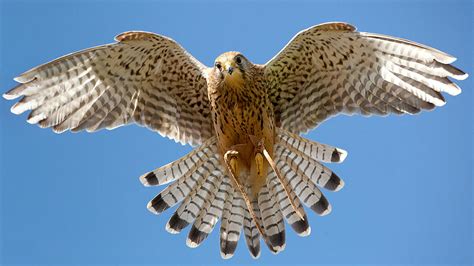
(331, 68)
(144, 78)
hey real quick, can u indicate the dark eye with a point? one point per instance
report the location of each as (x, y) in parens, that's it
(218, 65)
(238, 60)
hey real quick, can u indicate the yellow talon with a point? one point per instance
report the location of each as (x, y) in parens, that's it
(233, 165)
(259, 165)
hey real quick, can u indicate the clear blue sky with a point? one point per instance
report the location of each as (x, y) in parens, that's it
(76, 198)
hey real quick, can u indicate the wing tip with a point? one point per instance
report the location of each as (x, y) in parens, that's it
(59, 130)
(460, 76)
(8, 96)
(437, 102)
(26, 76)
(454, 90)
(443, 57)
(17, 108)
(34, 119)
(454, 72)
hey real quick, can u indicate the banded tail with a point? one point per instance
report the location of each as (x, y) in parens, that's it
(206, 194)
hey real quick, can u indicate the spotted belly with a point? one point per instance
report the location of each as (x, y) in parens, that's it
(240, 129)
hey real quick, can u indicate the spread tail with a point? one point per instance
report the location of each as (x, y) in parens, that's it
(206, 193)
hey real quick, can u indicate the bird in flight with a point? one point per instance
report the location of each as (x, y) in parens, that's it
(251, 169)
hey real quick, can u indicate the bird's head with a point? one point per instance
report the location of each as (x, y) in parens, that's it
(232, 68)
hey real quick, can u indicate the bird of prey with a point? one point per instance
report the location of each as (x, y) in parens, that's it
(251, 168)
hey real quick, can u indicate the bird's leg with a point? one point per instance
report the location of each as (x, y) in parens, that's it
(260, 149)
(230, 159)
(258, 144)
(259, 165)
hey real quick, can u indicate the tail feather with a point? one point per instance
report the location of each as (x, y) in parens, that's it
(192, 204)
(177, 169)
(312, 149)
(232, 222)
(209, 215)
(207, 195)
(272, 220)
(318, 173)
(252, 236)
(300, 226)
(263, 234)
(305, 189)
(177, 191)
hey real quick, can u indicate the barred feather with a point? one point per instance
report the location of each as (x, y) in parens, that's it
(194, 201)
(144, 78)
(308, 193)
(252, 236)
(300, 226)
(232, 222)
(331, 68)
(272, 219)
(313, 170)
(207, 195)
(185, 165)
(314, 150)
(180, 189)
(209, 214)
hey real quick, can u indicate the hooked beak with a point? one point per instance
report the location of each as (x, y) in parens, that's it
(230, 69)
(232, 75)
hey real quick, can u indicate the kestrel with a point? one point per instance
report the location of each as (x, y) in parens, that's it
(251, 169)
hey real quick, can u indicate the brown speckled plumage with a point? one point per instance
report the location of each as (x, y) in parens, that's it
(251, 168)
(241, 108)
